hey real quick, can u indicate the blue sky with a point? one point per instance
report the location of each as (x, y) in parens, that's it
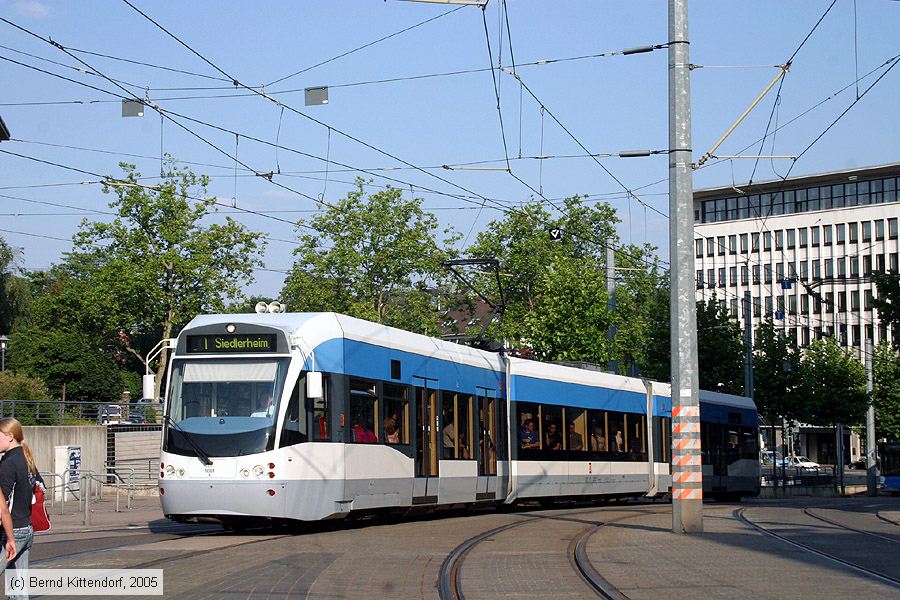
(609, 104)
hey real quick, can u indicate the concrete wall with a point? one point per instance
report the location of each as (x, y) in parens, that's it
(91, 438)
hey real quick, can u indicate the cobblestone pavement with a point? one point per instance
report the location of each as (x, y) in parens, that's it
(635, 551)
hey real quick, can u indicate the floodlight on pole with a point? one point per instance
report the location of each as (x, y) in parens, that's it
(3, 341)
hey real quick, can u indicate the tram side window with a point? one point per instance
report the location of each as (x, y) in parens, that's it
(319, 408)
(529, 433)
(551, 427)
(637, 438)
(616, 428)
(363, 408)
(294, 429)
(576, 429)
(456, 426)
(599, 440)
(464, 426)
(396, 414)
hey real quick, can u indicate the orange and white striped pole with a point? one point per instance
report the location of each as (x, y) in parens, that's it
(687, 472)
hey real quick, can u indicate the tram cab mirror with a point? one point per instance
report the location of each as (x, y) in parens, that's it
(149, 386)
(315, 385)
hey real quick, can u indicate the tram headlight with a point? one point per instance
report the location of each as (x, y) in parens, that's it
(170, 470)
(258, 470)
(245, 473)
(180, 473)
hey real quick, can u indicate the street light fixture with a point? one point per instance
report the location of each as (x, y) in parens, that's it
(3, 341)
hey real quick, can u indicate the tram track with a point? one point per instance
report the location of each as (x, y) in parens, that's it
(870, 573)
(450, 573)
(808, 512)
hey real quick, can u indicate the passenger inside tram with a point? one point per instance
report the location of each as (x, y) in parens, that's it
(529, 437)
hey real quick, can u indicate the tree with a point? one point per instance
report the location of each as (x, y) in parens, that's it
(555, 289)
(778, 374)
(834, 383)
(15, 294)
(18, 386)
(720, 349)
(157, 264)
(886, 391)
(887, 302)
(374, 257)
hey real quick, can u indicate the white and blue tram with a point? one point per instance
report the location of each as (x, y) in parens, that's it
(311, 416)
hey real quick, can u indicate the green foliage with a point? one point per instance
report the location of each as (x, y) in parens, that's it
(720, 349)
(556, 299)
(158, 263)
(69, 363)
(15, 292)
(777, 374)
(19, 386)
(887, 302)
(834, 384)
(886, 392)
(656, 360)
(374, 257)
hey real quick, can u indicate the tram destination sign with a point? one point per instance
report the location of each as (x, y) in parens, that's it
(231, 343)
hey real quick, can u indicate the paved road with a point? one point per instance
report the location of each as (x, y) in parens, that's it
(634, 550)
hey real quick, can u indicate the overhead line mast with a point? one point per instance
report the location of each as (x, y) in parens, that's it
(687, 470)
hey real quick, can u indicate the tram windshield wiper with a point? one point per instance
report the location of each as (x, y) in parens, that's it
(201, 455)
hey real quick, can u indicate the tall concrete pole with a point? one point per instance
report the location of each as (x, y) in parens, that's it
(871, 453)
(687, 472)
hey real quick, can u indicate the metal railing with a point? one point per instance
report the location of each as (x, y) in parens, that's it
(90, 487)
(58, 412)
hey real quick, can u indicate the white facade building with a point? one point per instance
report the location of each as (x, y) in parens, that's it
(803, 248)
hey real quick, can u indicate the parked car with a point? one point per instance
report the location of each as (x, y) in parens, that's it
(801, 462)
(111, 415)
(768, 457)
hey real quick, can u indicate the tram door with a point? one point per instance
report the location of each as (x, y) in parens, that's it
(487, 450)
(425, 486)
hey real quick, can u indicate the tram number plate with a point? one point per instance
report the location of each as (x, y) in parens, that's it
(220, 469)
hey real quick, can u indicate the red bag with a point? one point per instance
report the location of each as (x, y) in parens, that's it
(40, 520)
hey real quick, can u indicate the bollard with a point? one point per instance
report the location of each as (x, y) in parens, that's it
(85, 485)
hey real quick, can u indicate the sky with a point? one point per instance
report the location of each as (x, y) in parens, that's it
(575, 95)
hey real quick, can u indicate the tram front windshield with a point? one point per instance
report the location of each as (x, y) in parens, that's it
(224, 407)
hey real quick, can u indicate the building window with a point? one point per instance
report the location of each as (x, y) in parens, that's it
(892, 228)
(805, 336)
(812, 199)
(768, 273)
(879, 229)
(814, 235)
(757, 306)
(879, 263)
(732, 244)
(829, 302)
(721, 243)
(854, 266)
(710, 278)
(732, 275)
(779, 271)
(829, 268)
(854, 233)
(816, 270)
(698, 248)
(890, 189)
(841, 267)
(804, 236)
(767, 241)
(722, 281)
(804, 304)
(734, 307)
(745, 275)
(893, 262)
(744, 246)
(779, 239)
(867, 231)
(699, 279)
(826, 235)
(755, 238)
(854, 301)
(804, 270)
(769, 305)
(842, 301)
(839, 233)
(868, 297)
(755, 273)
(791, 239)
(710, 246)
(867, 265)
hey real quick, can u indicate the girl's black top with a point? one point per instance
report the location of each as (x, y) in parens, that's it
(17, 485)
